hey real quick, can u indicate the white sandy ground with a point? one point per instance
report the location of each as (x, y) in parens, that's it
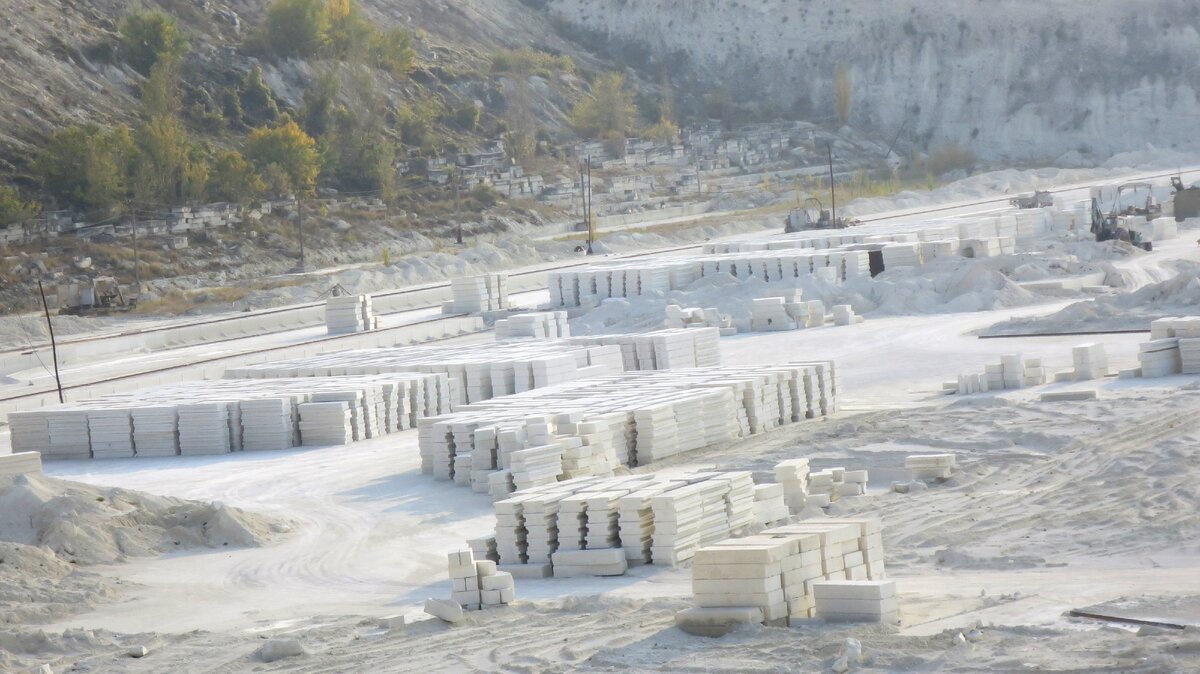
(1058, 506)
(1045, 518)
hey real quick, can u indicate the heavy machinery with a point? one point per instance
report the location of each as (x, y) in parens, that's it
(95, 296)
(1113, 225)
(1039, 199)
(804, 218)
(1186, 200)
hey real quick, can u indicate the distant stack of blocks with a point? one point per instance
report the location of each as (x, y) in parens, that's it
(930, 466)
(1012, 372)
(590, 427)
(231, 415)
(478, 584)
(773, 576)
(1090, 360)
(477, 294)
(535, 325)
(601, 526)
(690, 317)
(21, 463)
(1174, 348)
(348, 314)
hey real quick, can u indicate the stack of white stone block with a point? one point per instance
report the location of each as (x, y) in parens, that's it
(634, 418)
(772, 314)
(21, 463)
(930, 466)
(230, 415)
(843, 314)
(478, 584)
(770, 506)
(693, 317)
(325, 423)
(534, 325)
(483, 372)
(777, 571)
(476, 294)
(831, 484)
(902, 255)
(621, 521)
(1012, 372)
(348, 314)
(792, 476)
(1174, 348)
(869, 601)
(1090, 360)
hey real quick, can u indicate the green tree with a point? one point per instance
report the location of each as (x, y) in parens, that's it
(392, 50)
(160, 92)
(357, 154)
(170, 168)
(348, 30)
(86, 166)
(148, 37)
(232, 178)
(292, 152)
(610, 108)
(466, 116)
(316, 114)
(13, 209)
(256, 100)
(296, 28)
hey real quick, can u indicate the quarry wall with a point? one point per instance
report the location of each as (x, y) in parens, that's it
(1019, 79)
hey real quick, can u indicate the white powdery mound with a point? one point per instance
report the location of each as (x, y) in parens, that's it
(1177, 296)
(85, 524)
(947, 285)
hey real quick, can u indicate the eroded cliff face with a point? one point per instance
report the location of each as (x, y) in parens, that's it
(1010, 79)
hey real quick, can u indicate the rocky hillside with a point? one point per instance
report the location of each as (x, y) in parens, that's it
(1019, 79)
(58, 64)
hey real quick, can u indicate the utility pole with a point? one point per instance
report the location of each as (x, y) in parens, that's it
(300, 231)
(456, 177)
(832, 188)
(53, 344)
(137, 267)
(591, 222)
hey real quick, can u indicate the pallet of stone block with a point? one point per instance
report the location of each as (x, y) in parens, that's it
(682, 411)
(1090, 360)
(348, 313)
(930, 466)
(717, 622)
(598, 562)
(20, 463)
(1068, 396)
(481, 373)
(857, 601)
(1160, 357)
(534, 325)
(211, 417)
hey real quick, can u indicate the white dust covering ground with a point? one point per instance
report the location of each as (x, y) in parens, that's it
(1058, 506)
(51, 530)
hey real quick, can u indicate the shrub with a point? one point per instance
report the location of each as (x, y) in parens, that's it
(392, 51)
(13, 209)
(610, 108)
(526, 61)
(466, 117)
(86, 166)
(149, 37)
(232, 178)
(296, 28)
(291, 152)
(256, 101)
